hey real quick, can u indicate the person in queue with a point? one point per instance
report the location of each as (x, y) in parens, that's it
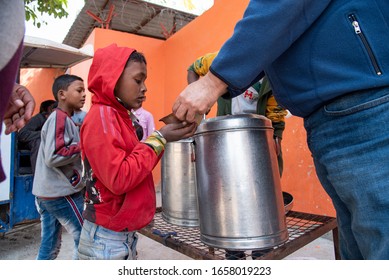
(342, 95)
(145, 120)
(120, 196)
(57, 185)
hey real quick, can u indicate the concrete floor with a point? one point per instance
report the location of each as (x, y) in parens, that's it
(22, 243)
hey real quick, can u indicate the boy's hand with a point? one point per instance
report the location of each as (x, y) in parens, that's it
(177, 131)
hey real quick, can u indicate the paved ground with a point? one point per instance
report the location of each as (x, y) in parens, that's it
(22, 243)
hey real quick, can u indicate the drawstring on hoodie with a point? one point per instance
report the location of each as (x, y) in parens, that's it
(134, 119)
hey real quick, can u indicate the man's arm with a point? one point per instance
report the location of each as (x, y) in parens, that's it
(192, 76)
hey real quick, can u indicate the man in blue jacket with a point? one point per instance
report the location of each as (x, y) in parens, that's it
(328, 62)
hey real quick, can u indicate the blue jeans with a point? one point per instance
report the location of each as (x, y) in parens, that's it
(349, 141)
(55, 213)
(100, 243)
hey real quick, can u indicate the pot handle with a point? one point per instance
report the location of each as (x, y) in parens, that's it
(277, 142)
(193, 154)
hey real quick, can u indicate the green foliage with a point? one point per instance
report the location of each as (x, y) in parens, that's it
(34, 8)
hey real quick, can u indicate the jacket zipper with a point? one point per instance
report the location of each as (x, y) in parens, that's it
(362, 37)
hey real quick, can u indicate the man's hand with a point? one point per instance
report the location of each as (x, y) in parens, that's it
(198, 97)
(20, 108)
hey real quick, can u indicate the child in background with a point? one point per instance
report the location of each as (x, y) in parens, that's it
(146, 120)
(78, 117)
(57, 182)
(120, 193)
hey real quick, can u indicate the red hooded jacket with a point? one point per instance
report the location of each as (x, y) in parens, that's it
(120, 189)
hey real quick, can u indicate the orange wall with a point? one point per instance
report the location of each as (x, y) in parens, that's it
(39, 82)
(167, 64)
(299, 176)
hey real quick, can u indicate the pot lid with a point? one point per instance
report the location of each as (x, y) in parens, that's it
(185, 140)
(241, 121)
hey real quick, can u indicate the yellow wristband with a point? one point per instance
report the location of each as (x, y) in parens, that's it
(156, 142)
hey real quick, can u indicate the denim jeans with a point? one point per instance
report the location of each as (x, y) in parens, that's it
(55, 213)
(100, 243)
(349, 141)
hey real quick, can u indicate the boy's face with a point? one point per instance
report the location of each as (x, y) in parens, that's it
(131, 87)
(74, 96)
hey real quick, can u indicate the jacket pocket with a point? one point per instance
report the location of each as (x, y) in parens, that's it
(357, 101)
(365, 43)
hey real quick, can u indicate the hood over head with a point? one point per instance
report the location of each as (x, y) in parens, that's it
(107, 66)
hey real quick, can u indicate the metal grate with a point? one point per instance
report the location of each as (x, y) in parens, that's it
(303, 228)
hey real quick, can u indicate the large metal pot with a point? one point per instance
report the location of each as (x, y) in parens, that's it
(178, 186)
(238, 184)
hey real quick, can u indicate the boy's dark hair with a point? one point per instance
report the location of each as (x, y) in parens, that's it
(137, 57)
(45, 105)
(62, 83)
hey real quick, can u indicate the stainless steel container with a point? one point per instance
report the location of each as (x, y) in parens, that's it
(178, 187)
(239, 192)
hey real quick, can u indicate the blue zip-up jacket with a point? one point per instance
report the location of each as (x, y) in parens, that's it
(311, 50)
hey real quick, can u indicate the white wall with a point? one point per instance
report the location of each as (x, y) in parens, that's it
(6, 162)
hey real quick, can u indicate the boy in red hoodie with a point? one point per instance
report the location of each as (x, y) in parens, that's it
(120, 194)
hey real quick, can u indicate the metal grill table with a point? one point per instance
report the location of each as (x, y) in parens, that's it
(303, 228)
